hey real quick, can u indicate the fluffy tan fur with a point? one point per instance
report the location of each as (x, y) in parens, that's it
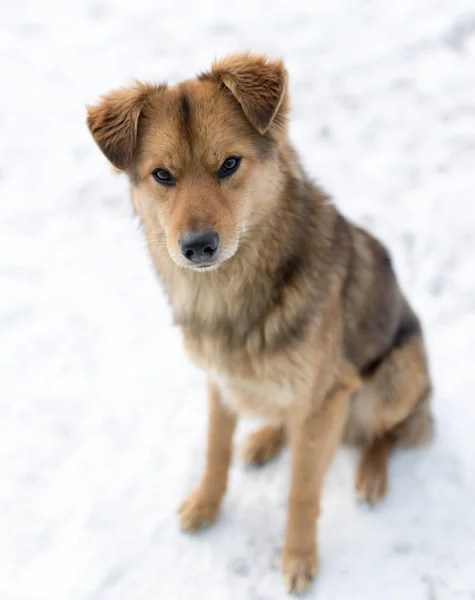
(300, 320)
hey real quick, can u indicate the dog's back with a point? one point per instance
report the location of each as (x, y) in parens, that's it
(383, 340)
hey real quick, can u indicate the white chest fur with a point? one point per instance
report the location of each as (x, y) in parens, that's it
(266, 399)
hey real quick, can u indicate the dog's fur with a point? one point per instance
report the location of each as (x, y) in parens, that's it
(300, 321)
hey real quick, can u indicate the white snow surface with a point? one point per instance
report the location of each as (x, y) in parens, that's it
(102, 418)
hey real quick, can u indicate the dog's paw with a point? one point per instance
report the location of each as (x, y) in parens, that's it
(299, 569)
(371, 481)
(263, 445)
(197, 511)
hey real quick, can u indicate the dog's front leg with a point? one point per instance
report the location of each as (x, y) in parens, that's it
(202, 506)
(313, 441)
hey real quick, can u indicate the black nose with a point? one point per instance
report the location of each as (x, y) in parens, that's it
(199, 246)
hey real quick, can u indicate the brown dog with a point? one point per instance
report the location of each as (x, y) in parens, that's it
(294, 313)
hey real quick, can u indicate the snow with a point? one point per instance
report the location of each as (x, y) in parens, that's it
(102, 418)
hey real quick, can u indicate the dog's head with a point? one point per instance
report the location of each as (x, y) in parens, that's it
(200, 155)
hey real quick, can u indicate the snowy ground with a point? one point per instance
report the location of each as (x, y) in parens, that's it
(102, 418)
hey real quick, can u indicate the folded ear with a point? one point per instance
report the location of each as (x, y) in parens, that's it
(257, 83)
(113, 123)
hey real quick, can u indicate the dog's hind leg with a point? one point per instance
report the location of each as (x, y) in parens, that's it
(399, 392)
(372, 474)
(263, 445)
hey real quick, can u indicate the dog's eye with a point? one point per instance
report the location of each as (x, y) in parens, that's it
(229, 166)
(163, 176)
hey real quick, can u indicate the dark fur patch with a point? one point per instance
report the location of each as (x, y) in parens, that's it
(297, 252)
(408, 328)
(369, 369)
(185, 110)
(290, 332)
(288, 271)
(387, 258)
(349, 266)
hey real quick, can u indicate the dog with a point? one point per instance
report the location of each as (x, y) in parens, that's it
(293, 312)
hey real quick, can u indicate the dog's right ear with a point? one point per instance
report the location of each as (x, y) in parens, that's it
(113, 123)
(258, 84)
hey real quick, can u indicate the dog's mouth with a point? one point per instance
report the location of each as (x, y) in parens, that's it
(210, 266)
(202, 267)
(206, 264)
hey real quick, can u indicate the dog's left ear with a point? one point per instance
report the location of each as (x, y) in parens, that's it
(113, 123)
(257, 83)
